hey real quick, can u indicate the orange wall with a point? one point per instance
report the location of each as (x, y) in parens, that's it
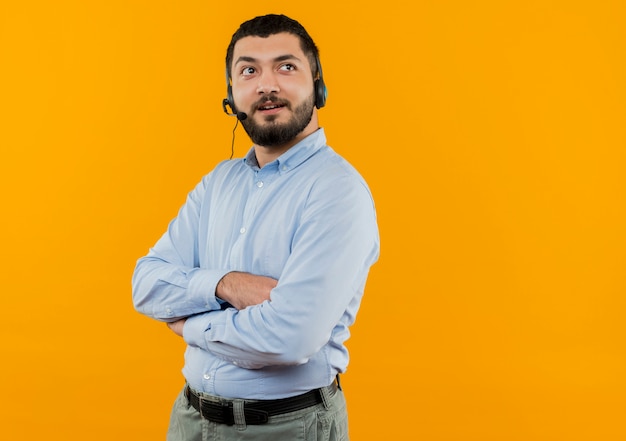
(492, 134)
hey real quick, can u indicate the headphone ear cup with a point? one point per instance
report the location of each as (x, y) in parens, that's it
(320, 93)
(229, 93)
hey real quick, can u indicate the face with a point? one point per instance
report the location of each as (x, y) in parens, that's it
(272, 83)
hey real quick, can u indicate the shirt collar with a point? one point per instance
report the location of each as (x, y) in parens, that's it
(295, 156)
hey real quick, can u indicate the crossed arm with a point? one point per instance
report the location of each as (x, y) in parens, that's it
(240, 290)
(321, 282)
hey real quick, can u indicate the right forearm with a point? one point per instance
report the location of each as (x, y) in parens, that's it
(244, 289)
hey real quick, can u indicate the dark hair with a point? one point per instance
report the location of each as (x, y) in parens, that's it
(266, 25)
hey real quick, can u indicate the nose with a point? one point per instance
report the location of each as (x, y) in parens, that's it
(267, 83)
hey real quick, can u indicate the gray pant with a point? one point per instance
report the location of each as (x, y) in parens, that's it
(326, 421)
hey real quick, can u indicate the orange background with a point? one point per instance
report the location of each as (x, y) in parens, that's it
(492, 134)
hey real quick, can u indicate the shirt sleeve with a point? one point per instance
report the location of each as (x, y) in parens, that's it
(318, 292)
(167, 283)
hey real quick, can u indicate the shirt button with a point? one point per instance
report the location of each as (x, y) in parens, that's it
(206, 376)
(243, 230)
(259, 184)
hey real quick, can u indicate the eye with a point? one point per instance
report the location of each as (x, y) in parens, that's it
(247, 71)
(287, 66)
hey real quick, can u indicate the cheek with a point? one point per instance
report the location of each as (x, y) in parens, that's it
(296, 94)
(243, 96)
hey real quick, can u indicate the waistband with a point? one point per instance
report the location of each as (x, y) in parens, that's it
(257, 411)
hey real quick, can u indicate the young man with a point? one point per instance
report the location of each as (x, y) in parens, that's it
(263, 270)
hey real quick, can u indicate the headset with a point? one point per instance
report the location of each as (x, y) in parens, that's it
(319, 87)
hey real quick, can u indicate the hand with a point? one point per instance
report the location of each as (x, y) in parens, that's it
(177, 326)
(244, 289)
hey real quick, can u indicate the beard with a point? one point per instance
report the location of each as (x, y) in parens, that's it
(273, 134)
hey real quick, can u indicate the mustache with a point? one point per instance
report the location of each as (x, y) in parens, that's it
(271, 98)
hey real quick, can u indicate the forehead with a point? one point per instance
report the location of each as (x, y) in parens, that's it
(268, 48)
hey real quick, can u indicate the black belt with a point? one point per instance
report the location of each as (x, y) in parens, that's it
(255, 412)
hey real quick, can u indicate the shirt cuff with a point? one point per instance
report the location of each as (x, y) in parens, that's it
(194, 331)
(202, 285)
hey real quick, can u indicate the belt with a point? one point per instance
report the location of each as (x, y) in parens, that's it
(255, 412)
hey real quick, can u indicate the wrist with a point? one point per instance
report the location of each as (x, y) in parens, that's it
(222, 288)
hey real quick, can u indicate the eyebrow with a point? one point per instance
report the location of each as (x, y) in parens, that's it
(285, 57)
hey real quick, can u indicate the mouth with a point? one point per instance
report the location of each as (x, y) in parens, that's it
(270, 107)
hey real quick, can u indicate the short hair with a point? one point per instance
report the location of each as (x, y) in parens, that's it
(266, 25)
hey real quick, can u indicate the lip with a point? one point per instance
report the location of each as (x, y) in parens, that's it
(273, 111)
(273, 108)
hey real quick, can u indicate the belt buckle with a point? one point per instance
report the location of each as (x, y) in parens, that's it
(251, 416)
(217, 412)
(227, 415)
(224, 412)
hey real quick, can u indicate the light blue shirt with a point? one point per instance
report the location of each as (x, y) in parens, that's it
(306, 219)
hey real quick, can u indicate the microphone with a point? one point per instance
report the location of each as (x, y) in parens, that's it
(240, 115)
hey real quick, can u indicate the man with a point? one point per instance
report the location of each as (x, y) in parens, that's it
(263, 270)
